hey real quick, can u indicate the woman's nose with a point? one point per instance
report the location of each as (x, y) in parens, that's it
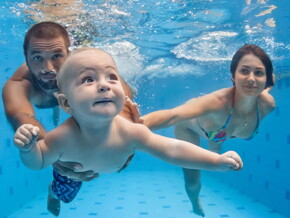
(251, 77)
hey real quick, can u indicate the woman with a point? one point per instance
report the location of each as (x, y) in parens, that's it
(234, 112)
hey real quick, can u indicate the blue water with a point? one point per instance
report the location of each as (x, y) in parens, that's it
(169, 52)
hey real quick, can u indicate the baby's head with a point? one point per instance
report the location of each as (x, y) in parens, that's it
(89, 84)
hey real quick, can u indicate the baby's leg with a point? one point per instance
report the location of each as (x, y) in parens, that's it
(53, 203)
(62, 188)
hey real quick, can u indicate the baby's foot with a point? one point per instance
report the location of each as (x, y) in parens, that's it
(197, 209)
(53, 205)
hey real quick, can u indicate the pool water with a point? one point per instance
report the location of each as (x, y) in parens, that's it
(169, 52)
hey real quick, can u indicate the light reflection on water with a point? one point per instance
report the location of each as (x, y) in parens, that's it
(169, 51)
(163, 33)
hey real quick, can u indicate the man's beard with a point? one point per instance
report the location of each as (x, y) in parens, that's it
(49, 86)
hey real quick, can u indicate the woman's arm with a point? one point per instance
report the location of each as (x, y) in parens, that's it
(193, 108)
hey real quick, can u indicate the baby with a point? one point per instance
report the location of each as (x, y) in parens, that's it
(96, 136)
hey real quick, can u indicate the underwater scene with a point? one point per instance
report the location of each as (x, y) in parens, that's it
(169, 52)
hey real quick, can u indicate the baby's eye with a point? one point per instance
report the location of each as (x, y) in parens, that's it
(88, 80)
(113, 77)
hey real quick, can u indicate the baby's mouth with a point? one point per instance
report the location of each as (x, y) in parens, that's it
(103, 101)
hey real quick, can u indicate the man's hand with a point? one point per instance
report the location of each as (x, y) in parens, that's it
(26, 136)
(70, 170)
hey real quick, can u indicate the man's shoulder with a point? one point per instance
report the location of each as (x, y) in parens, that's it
(21, 74)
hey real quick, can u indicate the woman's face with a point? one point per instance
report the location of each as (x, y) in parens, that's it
(250, 76)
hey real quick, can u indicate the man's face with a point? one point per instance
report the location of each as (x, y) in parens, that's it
(44, 58)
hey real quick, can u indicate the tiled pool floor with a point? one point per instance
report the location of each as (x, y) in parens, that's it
(150, 194)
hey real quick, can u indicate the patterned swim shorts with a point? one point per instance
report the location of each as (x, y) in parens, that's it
(64, 188)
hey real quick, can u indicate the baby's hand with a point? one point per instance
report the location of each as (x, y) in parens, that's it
(25, 137)
(229, 161)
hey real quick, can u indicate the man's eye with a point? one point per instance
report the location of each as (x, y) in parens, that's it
(37, 58)
(57, 56)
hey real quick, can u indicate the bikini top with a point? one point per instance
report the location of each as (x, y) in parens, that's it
(219, 136)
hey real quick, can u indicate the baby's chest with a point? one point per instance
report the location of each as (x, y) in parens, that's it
(101, 160)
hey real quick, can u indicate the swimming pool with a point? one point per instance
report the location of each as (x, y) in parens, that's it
(169, 51)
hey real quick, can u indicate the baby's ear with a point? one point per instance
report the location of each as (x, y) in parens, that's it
(63, 102)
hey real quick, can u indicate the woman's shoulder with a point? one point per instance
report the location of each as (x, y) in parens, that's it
(221, 98)
(266, 103)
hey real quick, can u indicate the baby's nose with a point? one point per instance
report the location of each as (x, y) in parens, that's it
(103, 87)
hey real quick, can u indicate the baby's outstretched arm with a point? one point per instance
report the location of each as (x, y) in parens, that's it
(26, 136)
(229, 161)
(25, 139)
(32, 152)
(185, 154)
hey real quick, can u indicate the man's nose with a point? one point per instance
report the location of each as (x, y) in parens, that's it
(48, 67)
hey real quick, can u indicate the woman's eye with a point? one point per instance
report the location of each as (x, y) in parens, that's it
(259, 73)
(244, 71)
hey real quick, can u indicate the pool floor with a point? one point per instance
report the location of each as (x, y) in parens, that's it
(134, 194)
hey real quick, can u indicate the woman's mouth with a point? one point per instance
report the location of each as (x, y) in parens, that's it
(250, 87)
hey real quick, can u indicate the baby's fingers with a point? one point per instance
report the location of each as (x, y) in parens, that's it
(19, 143)
(25, 134)
(238, 160)
(22, 138)
(34, 130)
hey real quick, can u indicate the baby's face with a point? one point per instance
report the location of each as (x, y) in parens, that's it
(93, 85)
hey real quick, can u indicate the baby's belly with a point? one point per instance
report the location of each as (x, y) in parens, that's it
(100, 165)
